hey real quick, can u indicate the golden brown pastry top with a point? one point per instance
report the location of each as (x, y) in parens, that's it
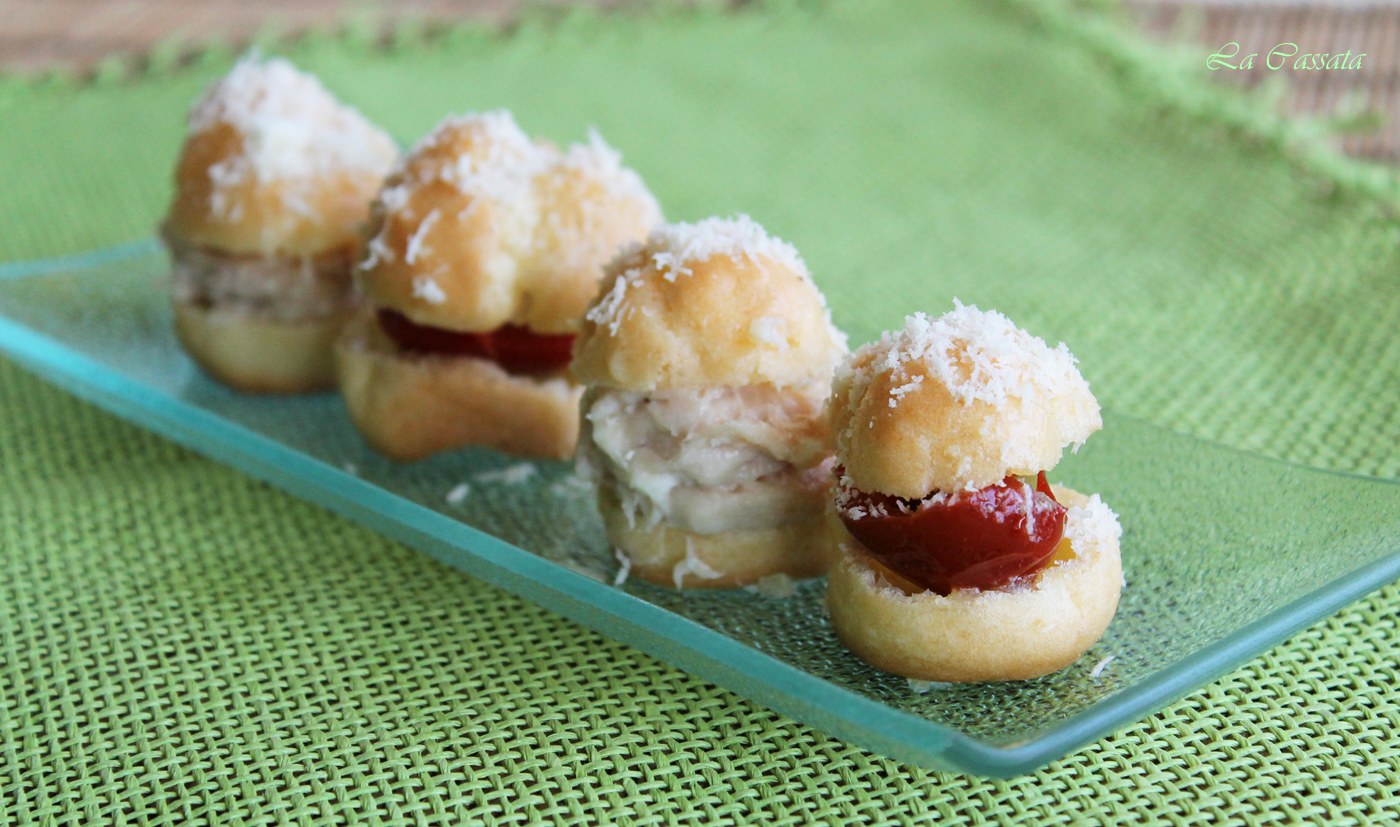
(957, 402)
(716, 303)
(274, 164)
(480, 227)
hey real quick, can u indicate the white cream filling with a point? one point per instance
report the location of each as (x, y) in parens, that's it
(284, 288)
(711, 460)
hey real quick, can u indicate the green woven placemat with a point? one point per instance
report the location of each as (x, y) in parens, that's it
(181, 643)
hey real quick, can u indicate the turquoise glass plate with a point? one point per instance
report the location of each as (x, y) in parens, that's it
(1225, 553)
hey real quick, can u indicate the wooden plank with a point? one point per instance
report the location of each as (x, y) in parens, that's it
(37, 35)
(1315, 29)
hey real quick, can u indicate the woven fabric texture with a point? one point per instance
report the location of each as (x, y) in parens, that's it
(181, 644)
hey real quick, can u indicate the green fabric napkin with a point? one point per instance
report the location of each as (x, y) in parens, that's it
(181, 643)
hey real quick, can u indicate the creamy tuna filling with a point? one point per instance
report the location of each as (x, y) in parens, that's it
(281, 288)
(708, 461)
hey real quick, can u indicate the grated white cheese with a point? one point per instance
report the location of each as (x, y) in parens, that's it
(777, 585)
(897, 393)
(415, 241)
(692, 564)
(1101, 665)
(394, 198)
(769, 330)
(611, 309)
(226, 175)
(1085, 524)
(624, 567)
(501, 163)
(848, 497)
(293, 131)
(737, 237)
(570, 485)
(977, 355)
(923, 687)
(378, 251)
(425, 288)
(513, 475)
(511, 183)
(672, 248)
(458, 493)
(603, 165)
(1028, 495)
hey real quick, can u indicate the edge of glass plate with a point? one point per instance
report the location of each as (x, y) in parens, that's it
(616, 614)
(78, 261)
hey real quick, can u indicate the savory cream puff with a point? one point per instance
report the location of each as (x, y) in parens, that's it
(272, 188)
(708, 355)
(959, 562)
(484, 250)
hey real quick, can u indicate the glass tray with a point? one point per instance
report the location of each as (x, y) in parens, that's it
(1225, 553)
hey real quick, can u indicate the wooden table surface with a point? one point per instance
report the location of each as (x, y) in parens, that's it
(1334, 28)
(75, 35)
(36, 35)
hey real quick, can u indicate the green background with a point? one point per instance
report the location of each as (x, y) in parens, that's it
(181, 641)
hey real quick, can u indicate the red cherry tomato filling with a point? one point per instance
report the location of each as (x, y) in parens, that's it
(514, 348)
(972, 540)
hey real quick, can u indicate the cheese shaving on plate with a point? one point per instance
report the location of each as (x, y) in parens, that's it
(624, 567)
(513, 475)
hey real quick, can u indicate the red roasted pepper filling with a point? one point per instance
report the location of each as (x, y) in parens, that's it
(984, 539)
(516, 349)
